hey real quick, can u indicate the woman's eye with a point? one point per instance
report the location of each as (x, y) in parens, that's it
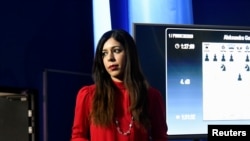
(104, 53)
(117, 50)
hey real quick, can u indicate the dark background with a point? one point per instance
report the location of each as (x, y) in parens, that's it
(48, 45)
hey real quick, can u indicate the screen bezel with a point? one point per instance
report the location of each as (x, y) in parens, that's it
(193, 26)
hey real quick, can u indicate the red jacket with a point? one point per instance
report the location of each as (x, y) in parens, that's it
(84, 130)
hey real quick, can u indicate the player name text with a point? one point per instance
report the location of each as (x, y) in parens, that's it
(238, 37)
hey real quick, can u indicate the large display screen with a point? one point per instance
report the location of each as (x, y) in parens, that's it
(206, 72)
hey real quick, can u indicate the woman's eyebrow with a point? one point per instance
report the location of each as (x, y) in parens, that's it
(116, 46)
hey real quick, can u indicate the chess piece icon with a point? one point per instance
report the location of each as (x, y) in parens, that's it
(215, 58)
(231, 58)
(223, 67)
(206, 58)
(247, 68)
(247, 58)
(223, 58)
(239, 77)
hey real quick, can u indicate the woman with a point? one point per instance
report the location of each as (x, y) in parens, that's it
(120, 105)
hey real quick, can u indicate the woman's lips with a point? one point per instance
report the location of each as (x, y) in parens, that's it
(113, 67)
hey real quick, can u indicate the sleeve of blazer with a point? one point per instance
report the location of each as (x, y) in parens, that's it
(81, 124)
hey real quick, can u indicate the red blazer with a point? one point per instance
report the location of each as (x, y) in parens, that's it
(84, 130)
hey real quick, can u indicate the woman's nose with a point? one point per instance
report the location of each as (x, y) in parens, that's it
(111, 57)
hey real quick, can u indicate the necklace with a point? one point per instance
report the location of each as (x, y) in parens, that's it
(129, 129)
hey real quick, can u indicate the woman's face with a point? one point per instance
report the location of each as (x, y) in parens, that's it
(114, 59)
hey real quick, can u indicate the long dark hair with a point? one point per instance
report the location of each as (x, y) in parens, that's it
(104, 104)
